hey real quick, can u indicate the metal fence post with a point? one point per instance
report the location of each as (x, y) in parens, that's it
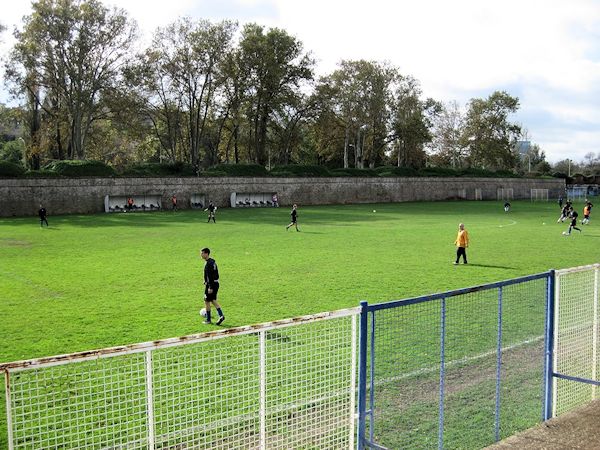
(9, 425)
(362, 376)
(549, 345)
(442, 373)
(498, 364)
(262, 407)
(150, 399)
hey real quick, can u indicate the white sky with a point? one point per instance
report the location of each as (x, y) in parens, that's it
(546, 52)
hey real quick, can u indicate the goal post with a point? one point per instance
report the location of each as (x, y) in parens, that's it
(478, 194)
(505, 194)
(539, 195)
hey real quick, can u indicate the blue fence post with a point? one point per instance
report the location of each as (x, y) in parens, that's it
(498, 364)
(442, 373)
(372, 381)
(362, 376)
(549, 346)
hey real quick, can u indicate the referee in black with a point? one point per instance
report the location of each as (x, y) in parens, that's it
(42, 213)
(211, 286)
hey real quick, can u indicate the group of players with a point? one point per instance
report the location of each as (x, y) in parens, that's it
(568, 212)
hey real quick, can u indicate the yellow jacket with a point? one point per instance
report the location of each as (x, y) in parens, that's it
(462, 240)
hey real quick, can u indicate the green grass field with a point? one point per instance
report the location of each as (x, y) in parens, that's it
(95, 281)
(102, 280)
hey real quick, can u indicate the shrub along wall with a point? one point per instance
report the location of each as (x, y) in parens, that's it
(22, 197)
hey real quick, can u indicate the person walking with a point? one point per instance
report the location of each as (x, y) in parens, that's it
(211, 286)
(211, 208)
(42, 213)
(174, 202)
(462, 242)
(294, 216)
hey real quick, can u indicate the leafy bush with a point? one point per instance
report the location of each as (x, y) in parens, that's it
(393, 171)
(41, 174)
(239, 170)
(80, 168)
(10, 169)
(148, 169)
(438, 172)
(560, 175)
(353, 172)
(214, 173)
(298, 170)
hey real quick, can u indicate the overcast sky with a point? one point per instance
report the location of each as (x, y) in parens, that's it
(545, 52)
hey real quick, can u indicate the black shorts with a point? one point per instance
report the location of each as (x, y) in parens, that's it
(213, 295)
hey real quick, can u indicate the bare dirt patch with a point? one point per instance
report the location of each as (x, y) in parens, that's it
(575, 430)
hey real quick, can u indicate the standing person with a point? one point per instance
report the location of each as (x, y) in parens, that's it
(294, 216)
(506, 207)
(211, 286)
(275, 200)
(174, 202)
(560, 202)
(586, 214)
(42, 213)
(573, 225)
(462, 242)
(211, 208)
(130, 203)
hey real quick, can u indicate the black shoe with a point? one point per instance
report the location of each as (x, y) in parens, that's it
(221, 319)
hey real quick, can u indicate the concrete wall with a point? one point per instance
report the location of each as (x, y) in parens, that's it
(22, 197)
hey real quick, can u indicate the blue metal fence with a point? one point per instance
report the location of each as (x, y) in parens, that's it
(459, 369)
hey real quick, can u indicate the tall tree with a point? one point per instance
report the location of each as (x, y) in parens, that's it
(489, 135)
(71, 51)
(354, 107)
(447, 130)
(412, 122)
(276, 66)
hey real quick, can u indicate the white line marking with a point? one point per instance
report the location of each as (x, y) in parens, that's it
(514, 222)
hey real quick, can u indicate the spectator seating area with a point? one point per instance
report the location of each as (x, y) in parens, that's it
(197, 201)
(141, 203)
(252, 200)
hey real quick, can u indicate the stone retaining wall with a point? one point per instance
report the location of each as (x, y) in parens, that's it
(22, 197)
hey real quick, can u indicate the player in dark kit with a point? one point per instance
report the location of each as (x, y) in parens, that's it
(211, 286)
(294, 216)
(573, 225)
(211, 208)
(42, 213)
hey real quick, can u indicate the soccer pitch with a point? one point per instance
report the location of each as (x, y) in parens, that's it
(95, 281)
(102, 280)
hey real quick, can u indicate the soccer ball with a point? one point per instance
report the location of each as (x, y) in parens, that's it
(564, 233)
(374, 210)
(203, 312)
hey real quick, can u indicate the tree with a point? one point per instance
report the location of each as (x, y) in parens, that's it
(177, 78)
(353, 105)
(411, 122)
(66, 58)
(276, 67)
(488, 134)
(446, 142)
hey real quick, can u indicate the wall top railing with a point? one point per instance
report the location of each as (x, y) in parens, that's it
(171, 342)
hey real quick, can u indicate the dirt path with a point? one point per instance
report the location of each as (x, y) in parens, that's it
(578, 429)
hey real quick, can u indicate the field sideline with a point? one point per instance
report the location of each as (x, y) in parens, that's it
(102, 280)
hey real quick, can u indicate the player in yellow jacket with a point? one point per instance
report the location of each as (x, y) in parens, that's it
(462, 242)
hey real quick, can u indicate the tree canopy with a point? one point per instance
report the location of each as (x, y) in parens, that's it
(205, 93)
